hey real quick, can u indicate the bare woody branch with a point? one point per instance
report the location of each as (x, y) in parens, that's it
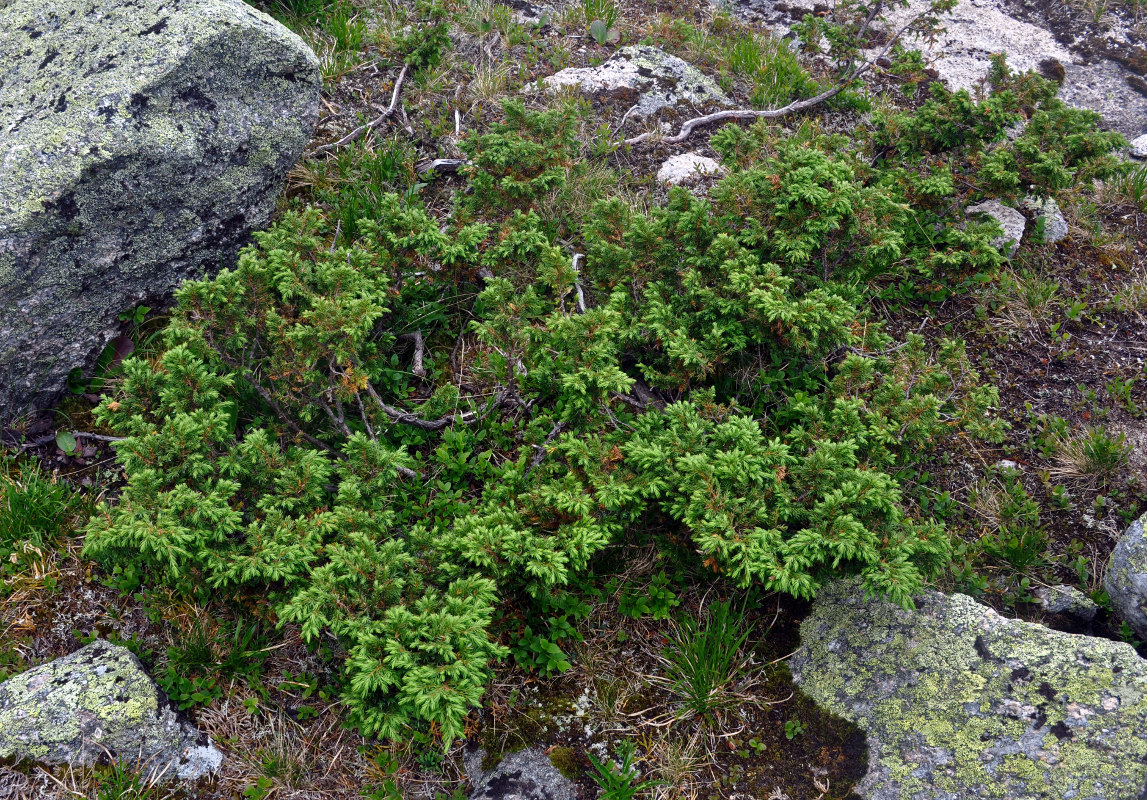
(374, 123)
(51, 437)
(795, 107)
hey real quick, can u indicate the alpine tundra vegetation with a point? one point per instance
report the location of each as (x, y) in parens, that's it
(492, 463)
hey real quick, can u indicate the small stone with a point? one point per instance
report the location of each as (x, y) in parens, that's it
(1126, 577)
(525, 775)
(687, 168)
(1010, 220)
(1006, 463)
(1054, 225)
(1067, 601)
(527, 13)
(1139, 147)
(96, 703)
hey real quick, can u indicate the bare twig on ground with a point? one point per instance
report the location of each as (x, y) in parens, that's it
(419, 352)
(796, 106)
(51, 437)
(577, 259)
(374, 123)
(540, 451)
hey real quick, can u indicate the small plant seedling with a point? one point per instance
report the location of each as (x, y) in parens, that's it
(602, 33)
(657, 601)
(793, 728)
(135, 316)
(619, 782)
(1059, 498)
(66, 442)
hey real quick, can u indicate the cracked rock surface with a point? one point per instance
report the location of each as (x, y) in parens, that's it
(960, 702)
(141, 141)
(525, 775)
(97, 702)
(647, 79)
(1126, 577)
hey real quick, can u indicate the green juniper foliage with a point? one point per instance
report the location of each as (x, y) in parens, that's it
(399, 437)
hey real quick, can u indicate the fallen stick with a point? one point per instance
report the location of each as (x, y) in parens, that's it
(51, 437)
(775, 113)
(374, 123)
(443, 165)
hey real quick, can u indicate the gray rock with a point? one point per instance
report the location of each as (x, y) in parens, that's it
(687, 168)
(141, 141)
(646, 78)
(525, 775)
(527, 13)
(1067, 601)
(1126, 577)
(976, 29)
(1010, 220)
(1103, 86)
(959, 702)
(1139, 147)
(1046, 209)
(99, 702)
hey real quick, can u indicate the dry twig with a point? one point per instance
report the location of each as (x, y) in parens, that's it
(794, 107)
(374, 123)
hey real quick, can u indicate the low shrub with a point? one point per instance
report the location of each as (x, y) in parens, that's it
(396, 437)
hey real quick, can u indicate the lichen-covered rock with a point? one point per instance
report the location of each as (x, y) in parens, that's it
(1126, 577)
(97, 703)
(525, 775)
(644, 78)
(1047, 211)
(1010, 220)
(140, 143)
(1086, 66)
(959, 702)
(1066, 601)
(687, 168)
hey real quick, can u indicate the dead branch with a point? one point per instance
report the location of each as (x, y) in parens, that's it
(577, 259)
(776, 113)
(406, 418)
(419, 351)
(51, 437)
(374, 123)
(540, 451)
(442, 165)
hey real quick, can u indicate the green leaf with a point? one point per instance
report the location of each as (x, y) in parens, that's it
(66, 442)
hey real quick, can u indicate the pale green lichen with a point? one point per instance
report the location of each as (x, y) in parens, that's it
(143, 141)
(64, 701)
(1126, 577)
(959, 702)
(93, 703)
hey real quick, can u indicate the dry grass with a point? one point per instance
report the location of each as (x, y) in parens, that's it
(1026, 304)
(679, 762)
(1092, 456)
